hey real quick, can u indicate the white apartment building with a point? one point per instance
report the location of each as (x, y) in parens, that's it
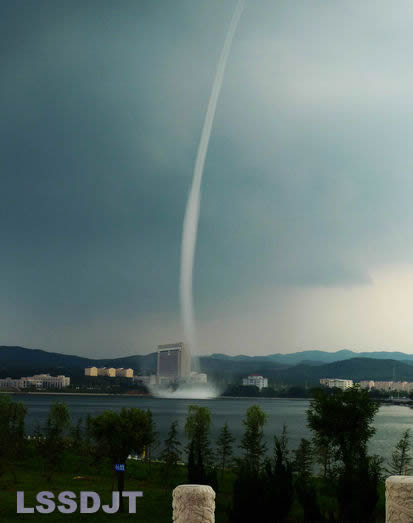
(336, 383)
(257, 380)
(10, 383)
(39, 381)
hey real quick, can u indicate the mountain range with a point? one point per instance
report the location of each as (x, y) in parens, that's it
(306, 367)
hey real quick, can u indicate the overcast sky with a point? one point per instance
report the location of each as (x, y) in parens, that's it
(306, 224)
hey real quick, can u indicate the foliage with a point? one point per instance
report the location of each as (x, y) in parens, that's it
(224, 448)
(342, 425)
(12, 416)
(278, 479)
(344, 421)
(357, 490)
(118, 434)
(303, 459)
(171, 453)
(51, 441)
(200, 461)
(401, 457)
(252, 441)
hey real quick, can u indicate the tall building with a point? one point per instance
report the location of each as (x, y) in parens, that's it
(174, 363)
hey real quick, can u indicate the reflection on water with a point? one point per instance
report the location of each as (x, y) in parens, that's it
(390, 421)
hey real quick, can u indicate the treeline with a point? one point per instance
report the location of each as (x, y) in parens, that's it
(252, 391)
(330, 478)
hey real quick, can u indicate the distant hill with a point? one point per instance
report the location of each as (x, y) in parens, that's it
(315, 357)
(19, 361)
(288, 369)
(354, 368)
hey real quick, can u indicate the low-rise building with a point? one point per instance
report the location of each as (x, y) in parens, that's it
(336, 383)
(38, 381)
(124, 373)
(10, 383)
(388, 386)
(107, 371)
(257, 380)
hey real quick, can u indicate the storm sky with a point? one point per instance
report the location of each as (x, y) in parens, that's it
(306, 224)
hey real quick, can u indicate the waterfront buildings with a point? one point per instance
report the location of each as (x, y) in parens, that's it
(336, 383)
(110, 372)
(38, 381)
(400, 386)
(257, 380)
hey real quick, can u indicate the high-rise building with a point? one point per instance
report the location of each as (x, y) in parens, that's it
(174, 363)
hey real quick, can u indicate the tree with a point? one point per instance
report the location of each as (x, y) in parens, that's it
(401, 458)
(252, 441)
(306, 493)
(118, 434)
(224, 448)
(51, 443)
(344, 421)
(278, 479)
(303, 459)
(250, 482)
(12, 416)
(197, 429)
(171, 452)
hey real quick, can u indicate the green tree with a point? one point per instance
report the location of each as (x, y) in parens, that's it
(224, 445)
(252, 441)
(401, 457)
(12, 416)
(278, 479)
(197, 428)
(303, 459)
(251, 481)
(76, 436)
(118, 434)
(52, 442)
(171, 453)
(344, 420)
(306, 493)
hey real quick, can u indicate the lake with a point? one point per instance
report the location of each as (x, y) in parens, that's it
(390, 421)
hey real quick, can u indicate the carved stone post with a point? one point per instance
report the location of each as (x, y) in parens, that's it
(399, 499)
(193, 504)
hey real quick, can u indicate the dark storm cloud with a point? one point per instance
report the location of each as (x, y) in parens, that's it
(306, 181)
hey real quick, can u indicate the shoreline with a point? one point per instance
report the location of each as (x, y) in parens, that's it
(78, 394)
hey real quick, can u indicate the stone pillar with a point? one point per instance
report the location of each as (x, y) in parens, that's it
(399, 499)
(193, 504)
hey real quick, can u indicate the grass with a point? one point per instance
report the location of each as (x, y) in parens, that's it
(154, 507)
